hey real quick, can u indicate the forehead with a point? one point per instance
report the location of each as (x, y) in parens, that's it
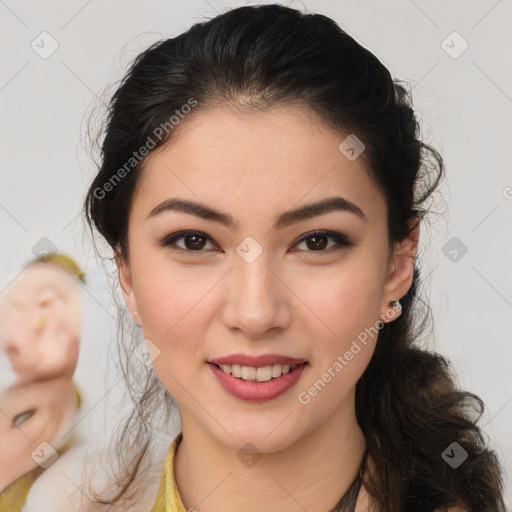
(258, 162)
(38, 276)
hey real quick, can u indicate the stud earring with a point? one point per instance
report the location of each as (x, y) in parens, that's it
(390, 315)
(135, 312)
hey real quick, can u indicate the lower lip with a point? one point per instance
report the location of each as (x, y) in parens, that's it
(254, 391)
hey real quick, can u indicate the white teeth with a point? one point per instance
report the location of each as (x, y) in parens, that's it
(261, 374)
(248, 373)
(264, 373)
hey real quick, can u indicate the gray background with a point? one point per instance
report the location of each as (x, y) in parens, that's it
(464, 104)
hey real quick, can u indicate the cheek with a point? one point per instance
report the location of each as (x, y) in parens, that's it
(344, 302)
(345, 327)
(172, 299)
(175, 308)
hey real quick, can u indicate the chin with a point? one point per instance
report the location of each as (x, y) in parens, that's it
(263, 437)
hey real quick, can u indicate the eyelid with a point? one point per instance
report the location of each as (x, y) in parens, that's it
(343, 239)
(170, 239)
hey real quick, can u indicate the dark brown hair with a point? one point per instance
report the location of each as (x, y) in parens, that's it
(257, 57)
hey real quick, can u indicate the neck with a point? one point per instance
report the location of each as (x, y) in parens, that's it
(312, 474)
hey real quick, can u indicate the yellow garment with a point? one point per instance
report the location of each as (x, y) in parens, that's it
(168, 498)
(14, 496)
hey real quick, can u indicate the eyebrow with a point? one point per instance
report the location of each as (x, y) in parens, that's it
(285, 219)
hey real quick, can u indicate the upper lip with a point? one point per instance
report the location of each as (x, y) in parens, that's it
(256, 361)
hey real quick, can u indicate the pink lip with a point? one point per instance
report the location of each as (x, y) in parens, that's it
(254, 391)
(256, 361)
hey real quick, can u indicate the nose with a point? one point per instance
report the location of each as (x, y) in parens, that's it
(258, 299)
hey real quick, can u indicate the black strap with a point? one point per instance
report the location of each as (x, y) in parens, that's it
(348, 501)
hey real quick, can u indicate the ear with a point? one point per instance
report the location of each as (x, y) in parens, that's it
(125, 280)
(401, 269)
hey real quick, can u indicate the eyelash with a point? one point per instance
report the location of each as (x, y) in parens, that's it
(341, 240)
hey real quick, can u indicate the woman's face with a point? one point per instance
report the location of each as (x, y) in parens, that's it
(254, 286)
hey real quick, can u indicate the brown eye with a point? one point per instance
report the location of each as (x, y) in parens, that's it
(194, 241)
(318, 241)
